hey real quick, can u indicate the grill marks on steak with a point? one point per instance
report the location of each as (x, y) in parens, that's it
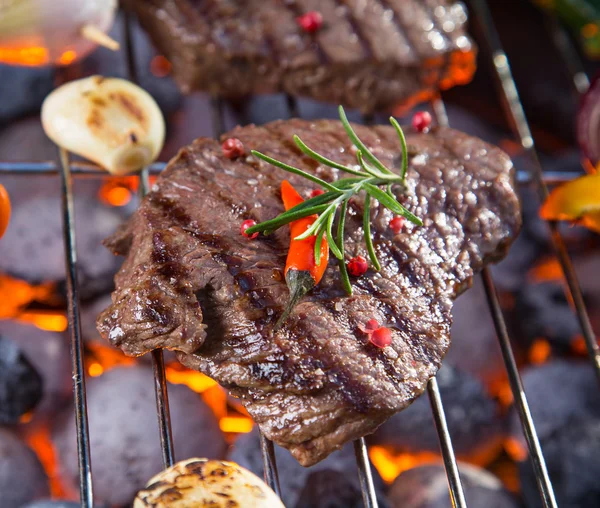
(369, 54)
(192, 283)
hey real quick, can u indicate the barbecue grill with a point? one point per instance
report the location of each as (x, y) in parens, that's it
(508, 93)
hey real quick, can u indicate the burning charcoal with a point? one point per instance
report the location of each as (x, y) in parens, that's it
(32, 248)
(573, 462)
(427, 487)
(331, 483)
(558, 392)
(48, 352)
(27, 87)
(20, 383)
(124, 432)
(22, 477)
(542, 310)
(473, 419)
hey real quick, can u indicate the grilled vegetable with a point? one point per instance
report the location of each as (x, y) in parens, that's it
(578, 200)
(107, 120)
(46, 32)
(203, 482)
(4, 210)
(307, 258)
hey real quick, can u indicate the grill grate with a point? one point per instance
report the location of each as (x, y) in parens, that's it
(515, 112)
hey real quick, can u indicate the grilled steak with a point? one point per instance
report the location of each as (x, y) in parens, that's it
(192, 283)
(368, 54)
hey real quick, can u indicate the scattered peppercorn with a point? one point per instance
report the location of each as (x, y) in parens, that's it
(421, 121)
(357, 266)
(232, 148)
(310, 22)
(382, 337)
(316, 192)
(397, 223)
(248, 224)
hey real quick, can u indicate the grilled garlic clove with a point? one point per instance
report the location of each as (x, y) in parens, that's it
(203, 482)
(107, 120)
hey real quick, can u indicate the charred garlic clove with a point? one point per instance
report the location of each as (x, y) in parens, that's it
(45, 32)
(107, 120)
(203, 482)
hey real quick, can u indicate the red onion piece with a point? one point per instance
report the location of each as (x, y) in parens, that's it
(588, 123)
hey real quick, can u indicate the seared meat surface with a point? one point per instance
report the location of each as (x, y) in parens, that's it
(368, 54)
(192, 283)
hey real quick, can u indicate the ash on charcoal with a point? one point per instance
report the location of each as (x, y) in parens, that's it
(49, 353)
(542, 310)
(427, 487)
(22, 477)
(331, 483)
(474, 349)
(573, 462)
(558, 392)
(20, 383)
(32, 248)
(473, 417)
(124, 433)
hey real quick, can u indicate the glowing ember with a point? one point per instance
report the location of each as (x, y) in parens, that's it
(390, 465)
(194, 380)
(540, 351)
(237, 424)
(102, 358)
(95, 369)
(548, 270)
(52, 321)
(30, 56)
(67, 57)
(515, 449)
(118, 191)
(160, 66)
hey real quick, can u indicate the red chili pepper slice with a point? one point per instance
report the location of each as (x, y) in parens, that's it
(301, 270)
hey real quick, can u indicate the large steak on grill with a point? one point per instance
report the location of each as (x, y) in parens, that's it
(369, 54)
(192, 283)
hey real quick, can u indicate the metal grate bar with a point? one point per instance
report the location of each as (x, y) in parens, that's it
(267, 450)
(457, 493)
(81, 417)
(364, 474)
(535, 451)
(521, 126)
(516, 385)
(158, 363)
(572, 61)
(87, 170)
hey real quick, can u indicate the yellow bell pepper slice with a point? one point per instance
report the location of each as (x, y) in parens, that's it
(578, 200)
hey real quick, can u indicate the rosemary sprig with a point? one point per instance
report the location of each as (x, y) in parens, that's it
(372, 175)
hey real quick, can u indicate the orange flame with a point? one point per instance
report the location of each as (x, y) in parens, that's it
(39, 439)
(15, 294)
(390, 465)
